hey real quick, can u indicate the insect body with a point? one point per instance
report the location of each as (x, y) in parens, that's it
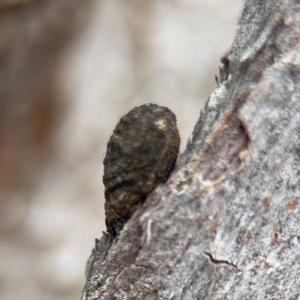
(141, 153)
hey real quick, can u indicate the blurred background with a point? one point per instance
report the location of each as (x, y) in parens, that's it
(69, 69)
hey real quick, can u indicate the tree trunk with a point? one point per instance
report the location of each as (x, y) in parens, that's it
(226, 223)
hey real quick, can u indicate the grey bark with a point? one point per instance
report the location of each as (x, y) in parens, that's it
(226, 223)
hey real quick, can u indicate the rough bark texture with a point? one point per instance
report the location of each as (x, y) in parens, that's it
(226, 223)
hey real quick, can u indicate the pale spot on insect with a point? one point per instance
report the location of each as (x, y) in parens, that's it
(161, 124)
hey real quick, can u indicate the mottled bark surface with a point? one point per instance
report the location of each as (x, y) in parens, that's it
(226, 223)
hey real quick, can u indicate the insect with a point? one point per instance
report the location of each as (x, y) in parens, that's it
(141, 153)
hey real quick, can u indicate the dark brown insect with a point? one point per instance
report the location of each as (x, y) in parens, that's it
(141, 153)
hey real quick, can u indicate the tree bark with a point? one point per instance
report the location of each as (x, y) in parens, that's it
(226, 223)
